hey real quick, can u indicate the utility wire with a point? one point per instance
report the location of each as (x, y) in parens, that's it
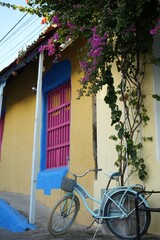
(16, 31)
(19, 44)
(14, 36)
(12, 28)
(15, 25)
(20, 47)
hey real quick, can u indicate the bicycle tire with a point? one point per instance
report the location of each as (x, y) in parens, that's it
(60, 220)
(125, 227)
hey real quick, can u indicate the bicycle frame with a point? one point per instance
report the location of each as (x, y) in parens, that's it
(117, 203)
(107, 195)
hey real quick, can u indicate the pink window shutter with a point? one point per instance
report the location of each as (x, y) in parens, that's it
(58, 128)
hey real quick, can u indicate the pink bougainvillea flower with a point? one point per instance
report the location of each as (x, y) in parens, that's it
(51, 49)
(82, 29)
(83, 64)
(68, 38)
(76, 6)
(85, 79)
(42, 48)
(56, 36)
(153, 32)
(71, 25)
(156, 29)
(96, 43)
(55, 20)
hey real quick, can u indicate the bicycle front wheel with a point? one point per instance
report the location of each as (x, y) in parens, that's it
(125, 227)
(63, 215)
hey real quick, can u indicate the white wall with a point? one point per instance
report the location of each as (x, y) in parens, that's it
(156, 74)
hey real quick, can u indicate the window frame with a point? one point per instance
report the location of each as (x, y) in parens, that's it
(53, 79)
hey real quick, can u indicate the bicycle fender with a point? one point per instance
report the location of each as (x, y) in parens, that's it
(122, 189)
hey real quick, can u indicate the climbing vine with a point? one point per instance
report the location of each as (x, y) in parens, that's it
(113, 32)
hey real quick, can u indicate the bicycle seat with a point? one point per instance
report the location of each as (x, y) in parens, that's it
(114, 175)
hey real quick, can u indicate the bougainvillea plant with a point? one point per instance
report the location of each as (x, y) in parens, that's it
(114, 32)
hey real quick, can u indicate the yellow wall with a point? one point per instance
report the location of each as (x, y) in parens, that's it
(15, 164)
(16, 160)
(81, 152)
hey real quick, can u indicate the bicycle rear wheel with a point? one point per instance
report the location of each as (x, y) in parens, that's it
(125, 227)
(63, 215)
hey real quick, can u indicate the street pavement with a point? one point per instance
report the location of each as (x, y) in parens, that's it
(72, 234)
(21, 203)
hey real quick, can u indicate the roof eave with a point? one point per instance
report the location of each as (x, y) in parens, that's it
(29, 55)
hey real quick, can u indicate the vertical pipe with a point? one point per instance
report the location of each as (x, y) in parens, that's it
(2, 85)
(125, 127)
(36, 141)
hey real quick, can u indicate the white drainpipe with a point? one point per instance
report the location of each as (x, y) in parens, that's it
(36, 143)
(2, 85)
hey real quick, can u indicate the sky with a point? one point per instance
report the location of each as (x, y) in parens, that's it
(16, 36)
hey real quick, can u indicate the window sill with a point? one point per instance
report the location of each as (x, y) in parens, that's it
(51, 179)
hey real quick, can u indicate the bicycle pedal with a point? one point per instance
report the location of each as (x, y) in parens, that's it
(86, 228)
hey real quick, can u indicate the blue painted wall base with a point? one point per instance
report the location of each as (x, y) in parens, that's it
(12, 220)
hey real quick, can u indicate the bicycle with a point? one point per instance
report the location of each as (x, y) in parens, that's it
(116, 208)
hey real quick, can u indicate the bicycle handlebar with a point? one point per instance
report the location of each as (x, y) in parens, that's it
(85, 173)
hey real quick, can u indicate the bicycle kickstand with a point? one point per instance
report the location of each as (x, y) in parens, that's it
(96, 231)
(96, 228)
